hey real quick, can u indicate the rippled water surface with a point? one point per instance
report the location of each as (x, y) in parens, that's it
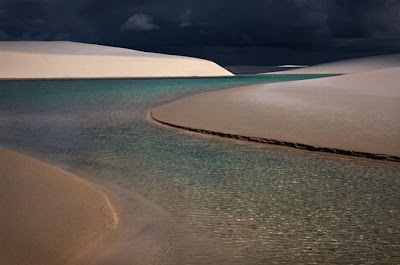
(260, 205)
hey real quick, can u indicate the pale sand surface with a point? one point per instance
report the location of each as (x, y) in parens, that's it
(356, 112)
(49, 216)
(350, 66)
(63, 59)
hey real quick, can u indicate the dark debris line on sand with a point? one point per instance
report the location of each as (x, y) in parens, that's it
(301, 146)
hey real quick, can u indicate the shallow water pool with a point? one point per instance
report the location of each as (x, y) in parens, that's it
(261, 205)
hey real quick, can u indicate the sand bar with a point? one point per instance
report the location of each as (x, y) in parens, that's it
(49, 216)
(63, 59)
(357, 112)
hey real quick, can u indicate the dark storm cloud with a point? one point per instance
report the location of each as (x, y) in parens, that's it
(139, 22)
(228, 31)
(185, 19)
(364, 18)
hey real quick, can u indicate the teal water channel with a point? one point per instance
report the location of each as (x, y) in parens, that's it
(258, 204)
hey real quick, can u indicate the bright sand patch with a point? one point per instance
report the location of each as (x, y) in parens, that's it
(49, 216)
(350, 66)
(358, 112)
(63, 59)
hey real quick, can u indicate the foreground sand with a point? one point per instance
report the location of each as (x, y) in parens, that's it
(49, 216)
(358, 112)
(63, 59)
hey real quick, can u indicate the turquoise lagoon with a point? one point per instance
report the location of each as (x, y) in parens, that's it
(258, 204)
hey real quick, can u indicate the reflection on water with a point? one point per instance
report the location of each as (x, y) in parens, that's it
(260, 205)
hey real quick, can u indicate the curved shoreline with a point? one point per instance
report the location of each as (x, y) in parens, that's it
(260, 140)
(353, 115)
(144, 233)
(53, 216)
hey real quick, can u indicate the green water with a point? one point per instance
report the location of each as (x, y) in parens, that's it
(261, 205)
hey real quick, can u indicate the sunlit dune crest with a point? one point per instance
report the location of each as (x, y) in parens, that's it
(63, 59)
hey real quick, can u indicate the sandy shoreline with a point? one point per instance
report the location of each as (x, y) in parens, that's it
(52, 216)
(354, 114)
(243, 140)
(55, 217)
(278, 143)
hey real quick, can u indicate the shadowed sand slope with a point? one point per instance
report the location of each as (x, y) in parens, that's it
(63, 59)
(357, 112)
(350, 66)
(49, 216)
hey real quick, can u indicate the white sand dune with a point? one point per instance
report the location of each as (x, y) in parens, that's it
(49, 216)
(62, 59)
(357, 112)
(350, 66)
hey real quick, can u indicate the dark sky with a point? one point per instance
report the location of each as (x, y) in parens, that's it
(230, 32)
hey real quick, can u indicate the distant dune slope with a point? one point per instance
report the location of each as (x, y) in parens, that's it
(251, 69)
(35, 59)
(350, 66)
(243, 69)
(357, 112)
